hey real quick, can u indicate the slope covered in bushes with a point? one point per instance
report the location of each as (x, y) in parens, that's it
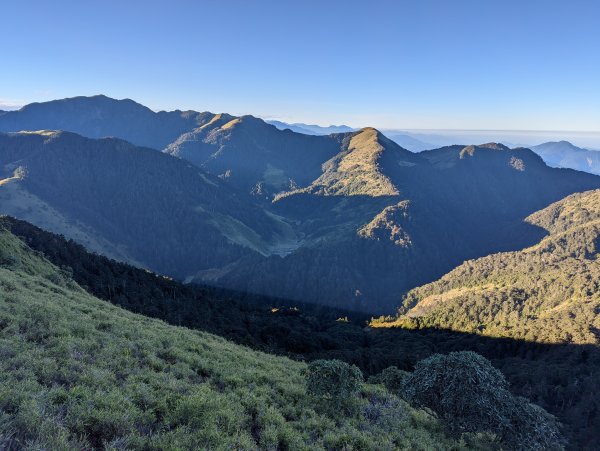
(546, 293)
(79, 373)
(560, 378)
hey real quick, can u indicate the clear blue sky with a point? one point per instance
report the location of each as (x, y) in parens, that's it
(477, 64)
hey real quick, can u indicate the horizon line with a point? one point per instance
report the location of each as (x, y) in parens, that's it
(16, 107)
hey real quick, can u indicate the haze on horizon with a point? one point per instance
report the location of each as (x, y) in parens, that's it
(434, 65)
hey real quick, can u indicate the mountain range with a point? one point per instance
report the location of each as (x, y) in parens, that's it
(311, 129)
(251, 232)
(558, 154)
(563, 154)
(347, 219)
(119, 200)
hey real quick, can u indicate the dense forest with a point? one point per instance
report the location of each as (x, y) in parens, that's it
(558, 377)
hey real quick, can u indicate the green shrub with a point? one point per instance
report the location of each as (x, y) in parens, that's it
(384, 410)
(470, 396)
(334, 384)
(391, 378)
(530, 427)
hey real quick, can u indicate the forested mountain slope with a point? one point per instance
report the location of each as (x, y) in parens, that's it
(132, 203)
(255, 156)
(350, 220)
(546, 293)
(380, 220)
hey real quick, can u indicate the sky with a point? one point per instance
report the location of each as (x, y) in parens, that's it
(493, 65)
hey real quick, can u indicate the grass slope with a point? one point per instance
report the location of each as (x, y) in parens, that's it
(79, 373)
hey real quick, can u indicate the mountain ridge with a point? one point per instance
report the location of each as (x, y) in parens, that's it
(117, 188)
(101, 116)
(545, 293)
(566, 155)
(352, 220)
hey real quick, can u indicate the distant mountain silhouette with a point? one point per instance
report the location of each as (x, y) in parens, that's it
(563, 154)
(295, 128)
(411, 143)
(311, 129)
(100, 116)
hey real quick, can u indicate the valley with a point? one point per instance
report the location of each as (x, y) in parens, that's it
(246, 206)
(277, 226)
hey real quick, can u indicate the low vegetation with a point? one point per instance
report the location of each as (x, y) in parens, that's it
(79, 373)
(559, 378)
(470, 395)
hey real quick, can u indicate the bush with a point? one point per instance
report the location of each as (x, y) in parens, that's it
(335, 384)
(391, 378)
(530, 427)
(470, 395)
(384, 410)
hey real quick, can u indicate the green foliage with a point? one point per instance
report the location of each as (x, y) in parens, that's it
(79, 373)
(560, 378)
(546, 293)
(391, 378)
(334, 384)
(530, 427)
(463, 388)
(470, 395)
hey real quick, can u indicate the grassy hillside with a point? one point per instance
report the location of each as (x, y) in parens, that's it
(558, 377)
(79, 373)
(547, 293)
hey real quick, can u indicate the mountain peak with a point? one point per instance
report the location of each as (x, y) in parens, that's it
(495, 146)
(99, 116)
(246, 120)
(86, 101)
(364, 166)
